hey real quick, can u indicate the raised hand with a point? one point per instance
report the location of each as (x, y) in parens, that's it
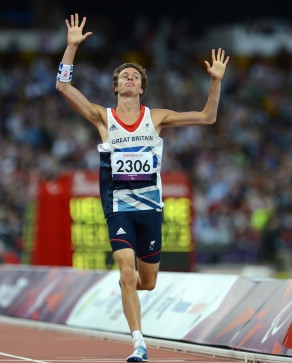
(75, 36)
(218, 67)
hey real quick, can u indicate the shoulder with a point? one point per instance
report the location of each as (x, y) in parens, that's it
(158, 115)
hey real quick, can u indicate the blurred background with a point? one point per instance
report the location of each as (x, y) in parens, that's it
(240, 169)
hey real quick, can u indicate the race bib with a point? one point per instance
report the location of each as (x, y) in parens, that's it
(131, 165)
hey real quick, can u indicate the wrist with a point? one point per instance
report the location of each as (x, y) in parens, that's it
(72, 46)
(215, 79)
(65, 73)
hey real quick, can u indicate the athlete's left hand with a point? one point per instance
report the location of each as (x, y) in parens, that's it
(218, 67)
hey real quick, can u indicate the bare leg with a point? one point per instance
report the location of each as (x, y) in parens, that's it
(147, 275)
(130, 281)
(128, 278)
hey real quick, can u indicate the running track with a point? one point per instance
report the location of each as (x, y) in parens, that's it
(38, 342)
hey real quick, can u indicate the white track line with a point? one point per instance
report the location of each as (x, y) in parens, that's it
(22, 358)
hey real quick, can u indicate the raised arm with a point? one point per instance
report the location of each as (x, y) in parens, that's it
(216, 71)
(75, 98)
(168, 118)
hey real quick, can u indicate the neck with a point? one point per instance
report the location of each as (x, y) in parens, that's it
(128, 104)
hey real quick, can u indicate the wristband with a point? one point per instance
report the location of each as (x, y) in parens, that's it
(65, 73)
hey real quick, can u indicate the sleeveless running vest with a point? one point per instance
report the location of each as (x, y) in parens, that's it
(130, 164)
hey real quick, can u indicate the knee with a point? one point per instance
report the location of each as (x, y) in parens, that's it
(148, 285)
(128, 277)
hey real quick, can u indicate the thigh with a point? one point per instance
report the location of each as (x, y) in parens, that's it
(125, 259)
(147, 274)
(149, 236)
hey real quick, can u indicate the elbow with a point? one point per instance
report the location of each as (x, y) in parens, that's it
(58, 86)
(212, 121)
(209, 118)
(61, 87)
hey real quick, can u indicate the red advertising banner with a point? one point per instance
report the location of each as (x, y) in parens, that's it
(52, 225)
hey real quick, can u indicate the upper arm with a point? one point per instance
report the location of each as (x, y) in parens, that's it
(168, 118)
(90, 111)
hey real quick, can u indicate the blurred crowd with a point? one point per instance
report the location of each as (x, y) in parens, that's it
(240, 168)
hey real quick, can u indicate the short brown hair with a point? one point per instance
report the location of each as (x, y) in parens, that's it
(140, 69)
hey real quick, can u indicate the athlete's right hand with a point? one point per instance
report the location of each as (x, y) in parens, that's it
(75, 36)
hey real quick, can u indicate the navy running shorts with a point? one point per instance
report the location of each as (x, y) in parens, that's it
(139, 230)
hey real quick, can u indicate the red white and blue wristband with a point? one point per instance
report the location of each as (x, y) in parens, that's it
(65, 73)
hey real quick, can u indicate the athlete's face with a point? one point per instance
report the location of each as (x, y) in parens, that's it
(129, 82)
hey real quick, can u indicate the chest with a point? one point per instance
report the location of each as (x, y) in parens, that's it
(128, 119)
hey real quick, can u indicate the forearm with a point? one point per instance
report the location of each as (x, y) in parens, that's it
(211, 107)
(69, 54)
(65, 71)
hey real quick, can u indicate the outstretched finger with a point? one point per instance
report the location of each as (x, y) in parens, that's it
(83, 22)
(86, 35)
(226, 60)
(76, 19)
(67, 24)
(219, 54)
(222, 55)
(213, 55)
(72, 20)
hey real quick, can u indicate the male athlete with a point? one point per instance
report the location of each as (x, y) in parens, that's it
(130, 163)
